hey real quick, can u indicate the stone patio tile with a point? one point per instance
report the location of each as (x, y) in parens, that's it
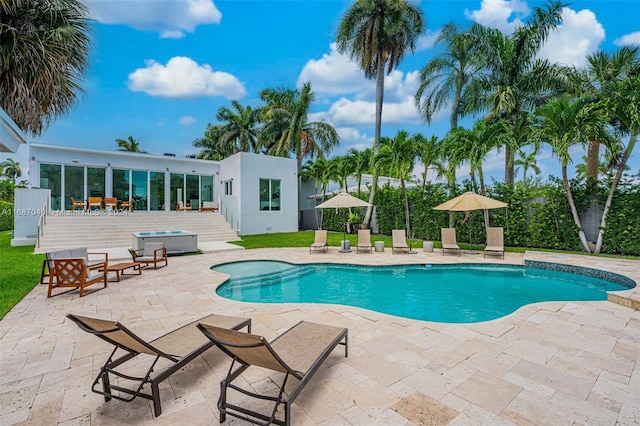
(488, 392)
(430, 383)
(323, 402)
(423, 410)
(384, 372)
(475, 415)
(555, 379)
(582, 412)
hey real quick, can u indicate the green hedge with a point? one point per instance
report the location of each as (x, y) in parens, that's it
(6, 216)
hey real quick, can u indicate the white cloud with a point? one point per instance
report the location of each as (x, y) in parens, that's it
(187, 120)
(427, 41)
(348, 112)
(184, 78)
(496, 14)
(162, 16)
(579, 35)
(172, 34)
(333, 74)
(628, 39)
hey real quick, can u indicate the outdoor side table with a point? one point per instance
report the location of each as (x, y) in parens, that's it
(427, 246)
(379, 245)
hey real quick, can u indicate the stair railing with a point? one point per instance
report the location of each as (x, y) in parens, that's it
(42, 221)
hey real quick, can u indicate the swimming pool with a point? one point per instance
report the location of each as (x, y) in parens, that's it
(441, 293)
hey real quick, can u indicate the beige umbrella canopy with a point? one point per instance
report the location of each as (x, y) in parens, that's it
(470, 201)
(343, 200)
(467, 202)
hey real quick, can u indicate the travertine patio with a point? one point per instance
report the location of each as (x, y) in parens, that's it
(548, 363)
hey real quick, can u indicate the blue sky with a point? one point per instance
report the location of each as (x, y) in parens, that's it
(160, 69)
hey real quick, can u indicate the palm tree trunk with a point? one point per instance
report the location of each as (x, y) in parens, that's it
(508, 166)
(406, 208)
(574, 211)
(612, 190)
(593, 157)
(376, 140)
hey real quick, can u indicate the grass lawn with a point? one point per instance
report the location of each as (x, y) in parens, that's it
(19, 272)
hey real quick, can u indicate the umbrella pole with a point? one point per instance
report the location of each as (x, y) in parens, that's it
(471, 250)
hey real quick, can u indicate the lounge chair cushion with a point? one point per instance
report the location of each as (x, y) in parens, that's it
(150, 250)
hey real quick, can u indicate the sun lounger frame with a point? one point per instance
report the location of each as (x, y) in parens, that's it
(154, 381)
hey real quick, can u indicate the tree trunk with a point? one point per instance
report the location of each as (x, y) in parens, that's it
(483, 192)
(574, 211)
(593, 160)
(508, 166)
(612, 190)
(452, 184)
(376, 140)
(406, 208)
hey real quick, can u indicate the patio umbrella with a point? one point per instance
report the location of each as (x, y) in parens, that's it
(470, 201)
(343, 200)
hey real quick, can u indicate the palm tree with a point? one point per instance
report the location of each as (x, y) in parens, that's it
(11, 169)
(322, 171)
(210, 148)
(129, 145)
(564, 123)
(345, 166)
(239, 128)
(451, 79)
(517, 81)
(428, 154)
(602, 70)
(44, 53)
(526, 161)
(378, 33)
(287, 128)
(398, 155)
(623, 100)
(362, 163)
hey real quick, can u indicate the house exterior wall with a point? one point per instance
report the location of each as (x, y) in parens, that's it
(246, 170)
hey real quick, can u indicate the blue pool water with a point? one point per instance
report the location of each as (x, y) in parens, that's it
(442, 293)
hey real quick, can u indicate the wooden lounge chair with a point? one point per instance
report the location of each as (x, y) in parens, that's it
(126, 205)
(79, 204)
(75, 271)
(80, 252)
(95, 202)
(495, 241)
(449, 240)
(364, 240)
(111, 202)
(151, 253)
(179, 347)
(320, 241)
(299, 352)
(399, 241)
(208, 206)
(183, 207)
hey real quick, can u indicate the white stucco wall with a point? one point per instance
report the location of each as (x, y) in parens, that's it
(230, 204)
(29, 206)
(254, 167)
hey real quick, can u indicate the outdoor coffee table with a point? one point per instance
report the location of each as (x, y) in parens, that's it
(119, 268)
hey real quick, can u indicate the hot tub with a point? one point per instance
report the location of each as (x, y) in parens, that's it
(176, 242)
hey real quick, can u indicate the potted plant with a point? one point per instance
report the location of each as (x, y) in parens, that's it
(354, 220)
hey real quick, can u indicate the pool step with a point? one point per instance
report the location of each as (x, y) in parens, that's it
(272, 278)
(630, 299)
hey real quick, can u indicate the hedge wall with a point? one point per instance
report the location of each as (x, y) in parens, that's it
(6, 216)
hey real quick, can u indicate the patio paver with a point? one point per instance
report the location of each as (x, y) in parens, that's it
(547, 363)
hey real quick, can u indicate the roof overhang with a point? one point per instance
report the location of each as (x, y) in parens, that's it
(10, 135)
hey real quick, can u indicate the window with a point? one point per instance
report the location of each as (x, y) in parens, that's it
(228, 187)
(269, 194)
(51, 178)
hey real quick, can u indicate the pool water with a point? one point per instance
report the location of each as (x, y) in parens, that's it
(441, 293)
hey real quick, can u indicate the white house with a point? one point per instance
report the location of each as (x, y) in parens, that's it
(256, 193)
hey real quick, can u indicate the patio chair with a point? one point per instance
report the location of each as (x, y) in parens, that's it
(183, 207)
(126, 205)
(320, 241)
(495, 241)
(208, 206)
(72, 269)
(111, 202)
(178, 347)
(151, 253)
(95, 202)
(364, 240)
(399, 241)
(449, 242)
(298, 352)
(77, 204)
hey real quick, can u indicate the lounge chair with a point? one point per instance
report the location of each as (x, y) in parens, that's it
(126, 205)
(182, 207)
(320, 241)
(111, 202)
(399, 241)
(495, 242)
(80, 252)
(364, 240)
(449, 240)
(95, 202)
(76, 271)
(151, 253)
(79, 204)
(299, 352)
(208, 206)
(179, 347)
